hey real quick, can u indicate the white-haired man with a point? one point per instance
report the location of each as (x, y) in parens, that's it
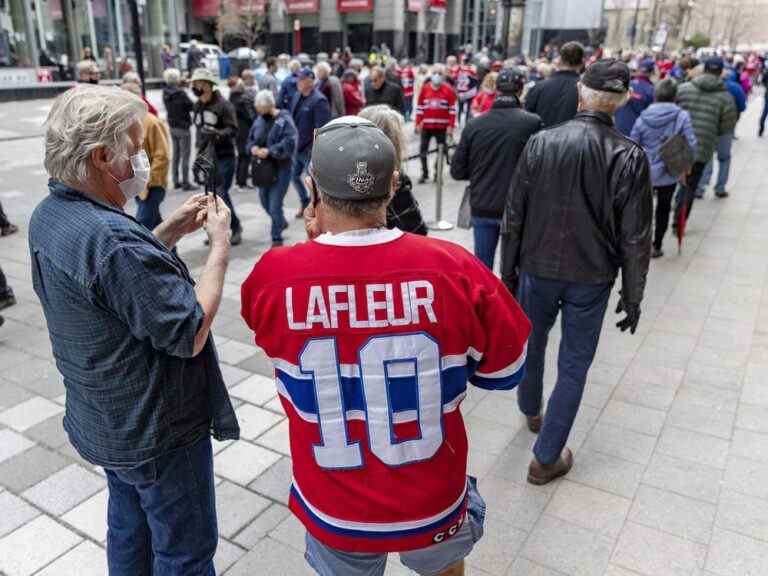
(130, 332)
(374, 334)
(579, 210)
(330, 87)
(289, 86)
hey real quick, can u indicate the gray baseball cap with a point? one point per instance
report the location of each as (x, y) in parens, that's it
(352, 159)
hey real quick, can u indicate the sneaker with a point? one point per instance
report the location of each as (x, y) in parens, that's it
(424, 179)
(277, 243)
(657, 253)
(7, 301)
(722, 194)
(237, 238)
(286, 225)
(176, 186)
(300, 213)
(10, 229)
(187, 187)
(699, 194)
(2, 320)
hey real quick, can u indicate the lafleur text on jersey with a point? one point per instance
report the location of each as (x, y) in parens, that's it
(386, 305)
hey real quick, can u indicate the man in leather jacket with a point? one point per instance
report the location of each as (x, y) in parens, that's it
(578, 211)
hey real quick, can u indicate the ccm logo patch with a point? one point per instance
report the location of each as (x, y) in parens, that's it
(445, 534)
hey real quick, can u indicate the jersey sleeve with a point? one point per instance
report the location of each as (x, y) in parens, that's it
(499, 335)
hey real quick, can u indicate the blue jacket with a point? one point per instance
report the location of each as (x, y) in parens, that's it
(656, 125)
(288, 90)
(735, 89)
(281, 140)
(640, 97)
(123, 316)
(309, 114)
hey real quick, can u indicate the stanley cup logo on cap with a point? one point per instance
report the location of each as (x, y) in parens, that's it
(362, 181)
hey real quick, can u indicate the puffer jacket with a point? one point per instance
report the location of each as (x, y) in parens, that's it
(579, 207)
(655, 126)
(712, 110)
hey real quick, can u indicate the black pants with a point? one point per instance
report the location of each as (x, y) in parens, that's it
(465, 109)
(243, 167)
(663, 207)
(687, 193)
(426, 138)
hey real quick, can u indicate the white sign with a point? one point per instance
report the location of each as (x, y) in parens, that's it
(17, 76)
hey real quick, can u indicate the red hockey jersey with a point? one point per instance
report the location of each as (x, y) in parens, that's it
(436, 108)
(373, 335)
(407, 80)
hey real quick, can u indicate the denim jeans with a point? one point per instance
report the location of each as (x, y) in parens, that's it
(148, 211)
(764, 114)
(272, 201)
(300, 164)
(724, 145)
(486, 231)
(162, 515)
(582, 308)
(226, 167)
(407, 108)
(182, 148)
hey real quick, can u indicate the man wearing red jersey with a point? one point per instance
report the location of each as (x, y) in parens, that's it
(407, 81)
(374, 334)
(435, 115)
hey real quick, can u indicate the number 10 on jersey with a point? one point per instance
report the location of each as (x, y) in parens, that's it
(379, 360)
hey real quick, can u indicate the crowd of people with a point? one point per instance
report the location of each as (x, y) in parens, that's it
(374, 332)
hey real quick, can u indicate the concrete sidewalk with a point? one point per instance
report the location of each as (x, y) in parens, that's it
(671, 443)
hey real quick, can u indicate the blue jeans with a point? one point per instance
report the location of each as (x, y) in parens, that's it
(583, 309)
(226, 168)
(724, 145)
(300, 164)
(148, 211)
(486, 231)
(764, 115)
(162, 515)
(407, 108)
(272, 201)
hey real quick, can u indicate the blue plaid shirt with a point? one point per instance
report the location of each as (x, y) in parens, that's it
(122, 316)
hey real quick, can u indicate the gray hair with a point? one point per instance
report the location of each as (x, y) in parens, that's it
(83, 119)
(265, 98)
(391, 123)
(131, 78)
(172, 77)
(597, 99)
(324, 67)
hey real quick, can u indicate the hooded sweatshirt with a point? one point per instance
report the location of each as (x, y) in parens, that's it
(657, 124)
(712, 110)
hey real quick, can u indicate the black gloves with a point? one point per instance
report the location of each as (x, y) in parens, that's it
(632, 317)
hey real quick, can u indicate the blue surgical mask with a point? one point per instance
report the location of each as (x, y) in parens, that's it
(437, 79)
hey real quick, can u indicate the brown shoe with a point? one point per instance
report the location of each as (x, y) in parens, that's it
(540, 474)
(534, 423)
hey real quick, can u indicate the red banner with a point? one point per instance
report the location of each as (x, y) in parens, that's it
(301, 6)
(354, 5)
(438, 5)
(205, 8)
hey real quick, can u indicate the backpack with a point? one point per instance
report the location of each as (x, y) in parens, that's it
(676, 153)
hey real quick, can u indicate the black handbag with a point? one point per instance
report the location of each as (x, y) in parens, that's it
(264, 171)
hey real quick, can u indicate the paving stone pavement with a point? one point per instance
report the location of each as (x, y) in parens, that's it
(671, 443)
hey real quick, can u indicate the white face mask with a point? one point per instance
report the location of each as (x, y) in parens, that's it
(138, 182)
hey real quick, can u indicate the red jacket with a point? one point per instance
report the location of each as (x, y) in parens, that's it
(353, 100)
(407, 79)
(482, 103)
(436, 109)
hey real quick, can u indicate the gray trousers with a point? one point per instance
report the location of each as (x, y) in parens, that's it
(182, 149)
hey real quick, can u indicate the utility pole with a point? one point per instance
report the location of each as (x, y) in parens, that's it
(633, 34)
(135, 24)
